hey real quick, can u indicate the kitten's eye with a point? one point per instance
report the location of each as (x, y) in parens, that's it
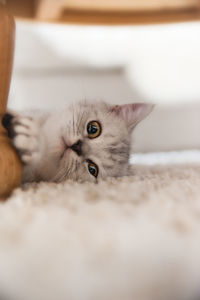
(93, 169)
(93, 129)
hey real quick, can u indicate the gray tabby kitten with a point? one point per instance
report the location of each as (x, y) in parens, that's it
(85, 142)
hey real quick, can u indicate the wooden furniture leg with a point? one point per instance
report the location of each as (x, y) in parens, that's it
(10, 165)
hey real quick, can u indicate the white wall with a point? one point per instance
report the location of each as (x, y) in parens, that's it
(56, 64)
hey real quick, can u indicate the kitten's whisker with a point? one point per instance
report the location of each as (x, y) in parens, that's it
(73, 122)
(65, 172)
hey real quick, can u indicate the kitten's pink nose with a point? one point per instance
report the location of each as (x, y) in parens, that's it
(77, 147)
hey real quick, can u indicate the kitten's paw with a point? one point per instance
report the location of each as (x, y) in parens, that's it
(25, 135)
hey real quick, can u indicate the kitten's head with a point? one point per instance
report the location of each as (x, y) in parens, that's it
(95, 140)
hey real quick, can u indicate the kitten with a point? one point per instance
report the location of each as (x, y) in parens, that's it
(85, 142)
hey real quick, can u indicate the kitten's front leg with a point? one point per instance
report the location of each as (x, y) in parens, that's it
(26, 137)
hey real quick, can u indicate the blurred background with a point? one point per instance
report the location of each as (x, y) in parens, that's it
(116, 51)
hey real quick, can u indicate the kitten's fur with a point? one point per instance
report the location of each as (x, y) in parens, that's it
(43, 140)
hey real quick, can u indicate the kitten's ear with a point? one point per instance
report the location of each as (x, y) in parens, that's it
(132, 114)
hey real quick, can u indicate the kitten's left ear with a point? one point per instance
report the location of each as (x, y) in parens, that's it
(132, 114)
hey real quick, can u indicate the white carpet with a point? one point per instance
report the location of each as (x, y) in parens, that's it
(134, 238)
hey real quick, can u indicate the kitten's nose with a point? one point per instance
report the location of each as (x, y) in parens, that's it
(77, 147)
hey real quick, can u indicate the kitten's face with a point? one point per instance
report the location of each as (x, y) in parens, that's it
(92, 142)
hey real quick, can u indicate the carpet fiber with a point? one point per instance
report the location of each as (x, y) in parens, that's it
(134, 238)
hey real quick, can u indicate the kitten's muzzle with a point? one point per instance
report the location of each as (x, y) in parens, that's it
(77, 147)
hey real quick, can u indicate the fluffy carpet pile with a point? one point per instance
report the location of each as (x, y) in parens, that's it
(134, 238)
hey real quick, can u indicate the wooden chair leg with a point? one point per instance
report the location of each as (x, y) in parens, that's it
(10, 165)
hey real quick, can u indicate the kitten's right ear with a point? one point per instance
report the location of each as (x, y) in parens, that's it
(132, 114)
